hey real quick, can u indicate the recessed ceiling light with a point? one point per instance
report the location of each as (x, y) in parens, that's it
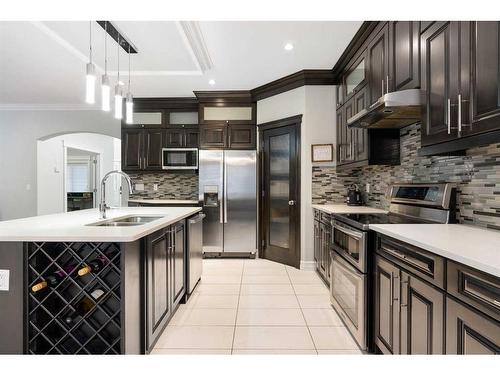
(211, 82)
(288, 47)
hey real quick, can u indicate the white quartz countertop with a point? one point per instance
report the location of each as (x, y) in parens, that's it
(345, 209)
(163, 201)
(71, 226)
(476, 247)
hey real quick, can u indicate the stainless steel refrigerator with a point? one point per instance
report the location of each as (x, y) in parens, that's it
(228, 194)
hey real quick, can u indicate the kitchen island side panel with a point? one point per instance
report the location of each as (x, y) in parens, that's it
(12, 300)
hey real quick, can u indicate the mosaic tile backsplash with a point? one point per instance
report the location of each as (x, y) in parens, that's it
(477, 176)
(170, 186)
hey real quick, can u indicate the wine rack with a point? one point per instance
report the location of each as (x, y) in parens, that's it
(99, 330)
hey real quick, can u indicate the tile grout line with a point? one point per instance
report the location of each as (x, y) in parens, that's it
(237, 307)
(302, 312)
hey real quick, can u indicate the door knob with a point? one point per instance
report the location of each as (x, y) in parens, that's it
(291, 203)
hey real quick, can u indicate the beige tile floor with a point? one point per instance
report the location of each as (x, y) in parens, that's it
(256, 306)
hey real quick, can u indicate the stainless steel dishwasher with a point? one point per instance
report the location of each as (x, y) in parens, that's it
(195, 251)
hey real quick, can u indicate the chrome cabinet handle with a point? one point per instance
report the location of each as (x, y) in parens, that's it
(477, 292)
(460, 125)
(387, 84)
(405, 283)
(449, 118)
(383, 84)
(225, 192)
(348, 231)
(391, 289)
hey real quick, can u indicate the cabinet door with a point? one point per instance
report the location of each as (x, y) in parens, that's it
(326, 252)
(191, 137)
(340, 135)
(404, 55)
(386, 306)
(174, 137)
(242, 136)
(355, 76)
(322, 236)
(213, 136)
(132, 149)
(485, 77)
(469, 332)
(360, 150)
(348, 141)
(177, 249)
(316, 243)
(378, 71)
(157, 286)
(440, 78)
(422, 308)
(153, 144)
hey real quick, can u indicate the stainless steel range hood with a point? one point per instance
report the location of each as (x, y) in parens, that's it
(393, 110)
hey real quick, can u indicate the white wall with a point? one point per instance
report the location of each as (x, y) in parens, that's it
(19, 132)
(317, 106)
(51, 167)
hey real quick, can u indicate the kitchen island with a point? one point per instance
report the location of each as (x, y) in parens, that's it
(80, 284)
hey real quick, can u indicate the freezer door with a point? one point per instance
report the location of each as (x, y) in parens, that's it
(240, 201)
(211, 192)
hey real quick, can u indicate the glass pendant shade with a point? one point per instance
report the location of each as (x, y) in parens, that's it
(118, 102)
(90, 84)
(129, 109)
(105, 93)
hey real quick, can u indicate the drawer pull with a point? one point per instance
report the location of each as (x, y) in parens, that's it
(415, 262)
(473, 288)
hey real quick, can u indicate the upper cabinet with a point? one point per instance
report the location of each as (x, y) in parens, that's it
(227, 120)
(377, 54)
(404, 55)
(148, 117)
(461, 77)
(355, 76)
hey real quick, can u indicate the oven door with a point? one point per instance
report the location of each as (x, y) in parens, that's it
(349, 298)
(351, 243)
(180, 158)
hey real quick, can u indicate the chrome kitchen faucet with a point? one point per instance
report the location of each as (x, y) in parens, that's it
(102, 205)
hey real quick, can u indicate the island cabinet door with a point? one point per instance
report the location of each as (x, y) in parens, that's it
(158, 306)
(317, 244)
(386, 306)
(422, 323)
(177, 254)
(470, 332)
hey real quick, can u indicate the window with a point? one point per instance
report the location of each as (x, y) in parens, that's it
(78, 177)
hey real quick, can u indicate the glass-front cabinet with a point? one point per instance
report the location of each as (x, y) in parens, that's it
(355, 76)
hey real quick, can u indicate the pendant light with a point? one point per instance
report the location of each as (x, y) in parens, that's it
(105, 87)
(90, 76)
(118, 89)
(129, 103)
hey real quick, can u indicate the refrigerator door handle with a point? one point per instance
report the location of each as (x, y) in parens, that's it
(222, 188)
(225, 191)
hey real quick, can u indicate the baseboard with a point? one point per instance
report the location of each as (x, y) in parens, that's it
(308, 265)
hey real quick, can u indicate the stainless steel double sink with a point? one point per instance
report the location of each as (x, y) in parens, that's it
(126, 221)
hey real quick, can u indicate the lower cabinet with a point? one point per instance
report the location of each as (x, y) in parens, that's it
(322, 244)
(470, 332)
(164, 279)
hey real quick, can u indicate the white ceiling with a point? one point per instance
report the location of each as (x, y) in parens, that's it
(43, 63)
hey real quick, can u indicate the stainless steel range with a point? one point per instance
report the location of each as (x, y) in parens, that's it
(353, 243)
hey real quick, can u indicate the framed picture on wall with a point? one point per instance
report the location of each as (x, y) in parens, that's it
(322, 153)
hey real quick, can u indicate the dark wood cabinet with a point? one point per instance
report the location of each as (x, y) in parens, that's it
(242, 136)
(164, 278)
(213, 136)
(470, 332)
(377, 56)
(485, 78)
(153, 144)
(184, 136)
(142, 149)
(230, 136)
(387, 328)
(404, 55)
(132, 149)
(317, 243)
(422, 322)
(322, 244)
(158, 293)
(360, 136)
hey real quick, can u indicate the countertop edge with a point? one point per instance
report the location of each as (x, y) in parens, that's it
(484, 267)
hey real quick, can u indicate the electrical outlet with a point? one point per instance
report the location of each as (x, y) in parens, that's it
(367, 187)
(155, 187)
(4, 280)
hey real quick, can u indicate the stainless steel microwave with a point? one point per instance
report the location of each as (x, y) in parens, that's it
(180, 158)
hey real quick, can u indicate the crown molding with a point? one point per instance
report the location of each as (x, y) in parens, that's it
(226, 96)
(195, 43)
(292, 81)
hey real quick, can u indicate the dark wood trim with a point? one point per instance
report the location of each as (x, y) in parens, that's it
(224, 96)
(459, 145)
(293, 120)
(297, 119)
(292, 81)
(174, 104)
(353, 47)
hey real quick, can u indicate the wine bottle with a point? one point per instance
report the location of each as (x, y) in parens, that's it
(53, 279)
(84, 305)
(94, 266)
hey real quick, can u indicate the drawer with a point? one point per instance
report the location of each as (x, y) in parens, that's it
(317, 214)
(427, 266)
(475, 288)
(325, 218)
